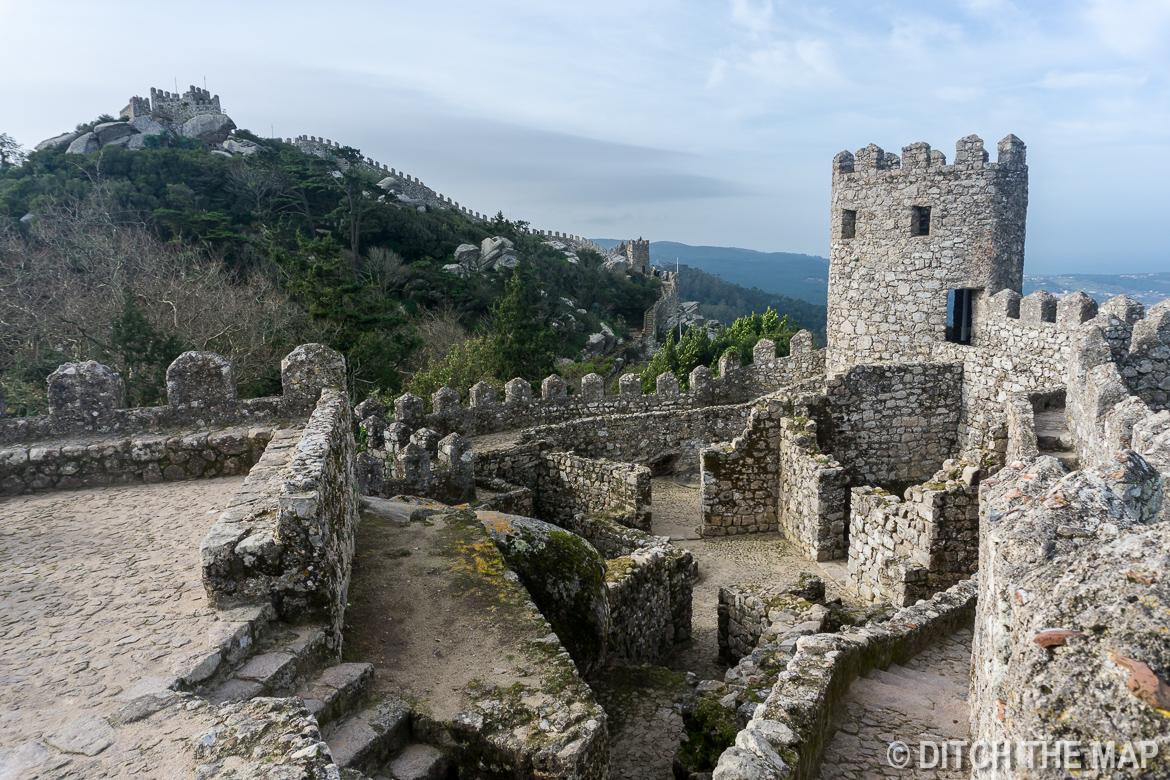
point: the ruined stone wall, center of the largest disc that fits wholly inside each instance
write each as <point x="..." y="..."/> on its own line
<point x="786" y="736"/>
<point x="812" y="492"/>
<point x="746" y="616"/>
<point x="569" y="485"/>
<point x="649" y="602"/>
<point x="1071" y="590"/>
<point x="905" y="550"/>
<point x="151" y="458"/>
<point x="568" y="488"/>
<point x="893" y="423"/>
<point x="888" y="277"/>
<point x="739" y="479"/>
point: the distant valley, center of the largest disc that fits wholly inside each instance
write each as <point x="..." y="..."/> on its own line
<point x="806" y="277"/>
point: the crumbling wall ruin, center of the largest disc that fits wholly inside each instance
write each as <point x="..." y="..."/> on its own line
<point x="905" y="550"/>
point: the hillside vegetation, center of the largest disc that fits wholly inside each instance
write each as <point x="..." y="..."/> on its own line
<point x="131" y="257"/>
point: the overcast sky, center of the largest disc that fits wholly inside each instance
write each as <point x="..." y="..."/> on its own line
<point x="701" y="121"/>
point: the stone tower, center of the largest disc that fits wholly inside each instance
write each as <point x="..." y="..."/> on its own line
<point x="913" y="237"/>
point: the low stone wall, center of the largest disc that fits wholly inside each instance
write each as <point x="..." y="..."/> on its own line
<point x="649" y="602"/>
<point x="1070" y="633"/>
<point x="894" y="423"/>
<point x="64" y="465"/>
<point x="569" y="485"/>
<point x="520" y="409"/>
<point x="643" y="438"/>
<point x="746" y="616"/>
<point x="288" y="537"/>
<point x="786" y="736"/>
<point x="903" y="551"/>
<point x="88" y="399"/>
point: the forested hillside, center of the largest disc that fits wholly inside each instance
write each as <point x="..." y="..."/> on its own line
<point x="131" y="257"/>
<point x="721" y="300"/>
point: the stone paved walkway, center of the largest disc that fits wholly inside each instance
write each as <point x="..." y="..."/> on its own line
<point x="924" y="701"/>
<point x="100" y="599"/>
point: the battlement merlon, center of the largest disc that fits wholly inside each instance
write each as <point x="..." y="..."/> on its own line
<point x="969" y="154"/>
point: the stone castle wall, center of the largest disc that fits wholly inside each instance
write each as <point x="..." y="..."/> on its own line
<point x="888" y="284"/>
<point x="1070" y="591"/>
<point x="893" y="423"/>
<point x="520" y="408"/>
<point x="905" y="550"/>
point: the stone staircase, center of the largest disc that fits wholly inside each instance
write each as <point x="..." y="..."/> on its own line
<point x="923" y="701"/>
<point x="256" y="655"/>
<point x="1053" y="438"/>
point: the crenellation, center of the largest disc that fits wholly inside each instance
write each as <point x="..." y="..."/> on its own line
<point x="1040" y="306"/>
<point x="1075" y="308"/>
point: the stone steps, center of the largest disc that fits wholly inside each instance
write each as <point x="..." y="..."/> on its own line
<point x="284" y="659"/>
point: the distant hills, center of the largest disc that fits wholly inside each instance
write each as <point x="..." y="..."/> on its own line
<point x="806" y="277"/>
<point x="1143" y="288"/>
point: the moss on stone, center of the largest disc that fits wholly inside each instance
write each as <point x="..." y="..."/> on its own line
<point x="710" y="730"/>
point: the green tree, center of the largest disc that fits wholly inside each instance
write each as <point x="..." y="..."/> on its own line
<point x="143" y="353"/>
<point x="12" y="154"/>
<point x="523" y="346"/>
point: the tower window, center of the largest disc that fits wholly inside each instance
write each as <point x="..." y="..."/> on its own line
<point x="920" y="221"/>
<point x="848" y="223"/>
<point x="959" y="306"/>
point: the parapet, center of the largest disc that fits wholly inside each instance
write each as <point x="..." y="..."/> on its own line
<point x="969" y="154"/>
<point x="90" y="399"/>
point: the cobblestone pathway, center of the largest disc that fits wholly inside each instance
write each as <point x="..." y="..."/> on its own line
<point x="101" y="597"/>
<point x="924" y="701"/>
<point x="644" y="720"/>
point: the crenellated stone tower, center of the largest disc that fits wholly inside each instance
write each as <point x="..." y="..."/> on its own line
<point x="916" y="246"/>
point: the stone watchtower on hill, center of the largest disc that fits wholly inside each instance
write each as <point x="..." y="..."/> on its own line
<point x="917" y="245"/>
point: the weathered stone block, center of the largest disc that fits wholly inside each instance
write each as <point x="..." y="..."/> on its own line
<point x="85" y="392"/>
<point x="200" y="379"/>
<point x="518" y="391"/>
<point x="553" y="386"/>
<point x="308" y="369"/>
<point x="592" y="388"/>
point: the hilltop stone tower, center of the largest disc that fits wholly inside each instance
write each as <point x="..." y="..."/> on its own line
<point x="917" y="246"/>
<point x="173" y="107"/>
